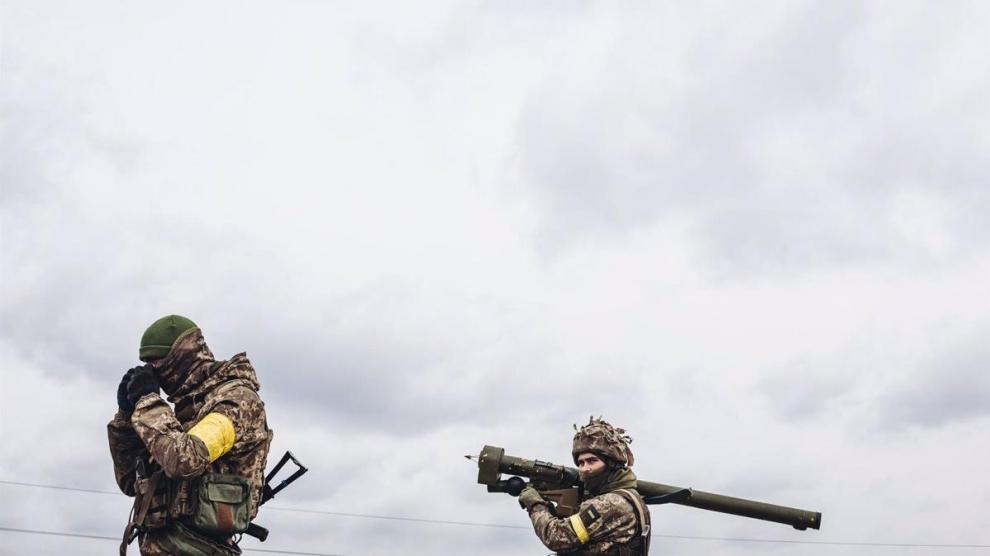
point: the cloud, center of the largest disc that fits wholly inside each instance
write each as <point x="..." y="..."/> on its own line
<point x="801" y="392"/>
<point x="948" y="388"/>
<point x="776" y="140"/>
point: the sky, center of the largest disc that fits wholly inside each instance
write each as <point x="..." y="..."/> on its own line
<point x="752" y="234"/>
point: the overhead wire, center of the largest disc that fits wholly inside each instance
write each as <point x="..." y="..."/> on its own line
<point x="503" y="526"/>
<point x="115" y="539"/>
<point x="298" y="510"/>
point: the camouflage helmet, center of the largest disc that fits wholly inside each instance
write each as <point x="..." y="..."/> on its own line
<point x="158" y="338"/>
<point x="603" y="440"/>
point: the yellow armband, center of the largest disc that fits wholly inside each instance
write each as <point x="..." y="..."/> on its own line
<point x="579" y="528"/>
<point x="217" y="432"/>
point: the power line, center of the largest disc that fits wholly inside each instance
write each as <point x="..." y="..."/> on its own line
<point x="298" y="510"/>
<point x="115" y="539"/>
<point x="502" y="526"/>
<point x="829" y="543"/>
<point x="400" y="518"/>
<point x="55" y="487"/>
<point x="58" y="534"/>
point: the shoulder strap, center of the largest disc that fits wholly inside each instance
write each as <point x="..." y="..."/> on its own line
<point x="142" y="502"/>
<point x="642" y="514"/>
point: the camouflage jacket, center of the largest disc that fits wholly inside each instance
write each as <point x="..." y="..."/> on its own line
<point x="609" y="521"/>
<point x="159" y="434"/>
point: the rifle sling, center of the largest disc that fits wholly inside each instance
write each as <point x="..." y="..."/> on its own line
<point x="141" y="504"/>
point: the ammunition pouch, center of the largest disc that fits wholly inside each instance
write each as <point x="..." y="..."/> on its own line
<point x="223" y="506"/>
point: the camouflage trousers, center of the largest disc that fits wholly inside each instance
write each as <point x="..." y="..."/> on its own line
<point x="179" y="540"/>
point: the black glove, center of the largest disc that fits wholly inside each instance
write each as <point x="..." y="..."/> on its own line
<point x="142" y="382"/>
<point x="123" y="403"/>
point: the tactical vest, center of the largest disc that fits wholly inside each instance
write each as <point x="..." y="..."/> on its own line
<point x="190" y="517"/>
<point x="195" y="517"/>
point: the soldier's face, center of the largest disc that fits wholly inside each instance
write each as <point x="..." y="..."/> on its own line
<point x="156" y="365"/>
<point x="589" y="465"/>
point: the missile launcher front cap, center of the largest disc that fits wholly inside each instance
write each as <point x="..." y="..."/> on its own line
<point x="488" y="464"/>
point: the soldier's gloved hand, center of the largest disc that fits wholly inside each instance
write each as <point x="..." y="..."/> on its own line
<point x="142" y="382"/>
<point x="530" y="497"/>
<point x="123" y="403"/>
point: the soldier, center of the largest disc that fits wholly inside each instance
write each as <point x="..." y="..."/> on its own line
<point x="197" y="471"/>
<point x="614" y="520"/>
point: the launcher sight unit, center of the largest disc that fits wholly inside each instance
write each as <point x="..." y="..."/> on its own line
<point x="562" y="485"/>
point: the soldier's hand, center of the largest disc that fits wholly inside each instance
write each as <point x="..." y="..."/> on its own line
<point x="123" y="403"/>
<point x="530" y="497"/>
<point x="142" y="382"/>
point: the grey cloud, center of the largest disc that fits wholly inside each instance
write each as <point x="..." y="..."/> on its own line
<point x="694" y="140"/>
<point x="46" y="133"/>
<point x="762" y="233"/>
<point x="375" y="363"/>
<point x="803" y="390"/>
<point x="392" y="376"/>
<point x="64" y="270"/>
<point x="951" y="387"/>
<point x="692" y="147"/>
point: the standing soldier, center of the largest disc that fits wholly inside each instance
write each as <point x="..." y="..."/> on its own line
<point x="196" y="472"/>
<point x="614" y="521"/>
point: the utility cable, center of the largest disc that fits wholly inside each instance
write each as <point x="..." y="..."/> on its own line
<point x="502" y="526"/>
<point x="115" y="539"/>
<point x="55" y="487"/>
<point x="298" y="510"/>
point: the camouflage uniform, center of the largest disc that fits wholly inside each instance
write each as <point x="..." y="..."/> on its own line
<point x="615" y="521"/>
<point x="198" y="386"/>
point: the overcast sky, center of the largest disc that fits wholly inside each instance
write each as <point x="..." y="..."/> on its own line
<point x="753" y="234"/>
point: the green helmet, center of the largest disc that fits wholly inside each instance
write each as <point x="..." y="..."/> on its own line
<point x="158" y="338"/>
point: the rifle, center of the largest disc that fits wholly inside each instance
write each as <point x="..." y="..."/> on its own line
<point x="562" y="485"/>
<point x="267" y="492"/>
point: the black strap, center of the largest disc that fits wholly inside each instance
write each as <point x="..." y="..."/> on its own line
<point x="129" y="533"/>
<point x="142" y="511"/>
<point x="142" y="502"/>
